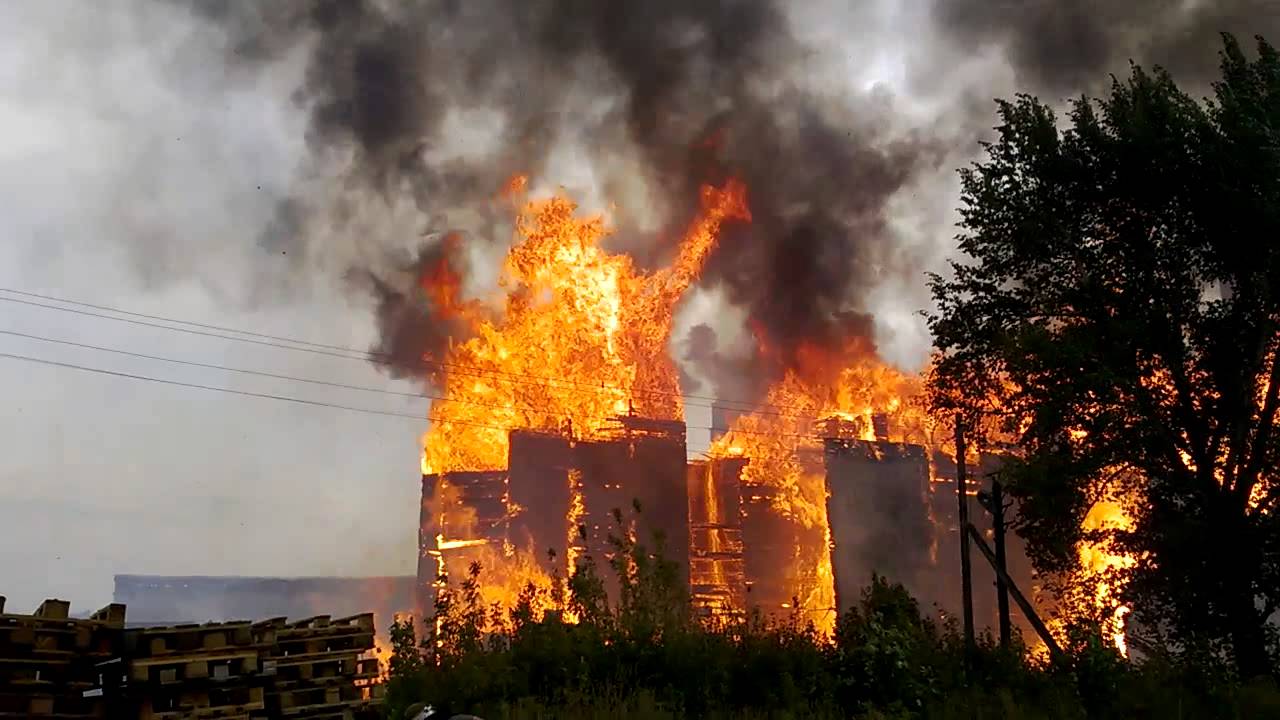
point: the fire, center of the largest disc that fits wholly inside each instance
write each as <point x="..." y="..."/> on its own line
<point x="783" y="447"/>
<point x="577" y="510"/>
<point x="579" y="336"/>
<point x="582" y="336"/>
<point x="1097" y="559"/>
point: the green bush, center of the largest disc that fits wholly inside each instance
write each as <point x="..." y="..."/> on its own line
<point x="648" y="657"/>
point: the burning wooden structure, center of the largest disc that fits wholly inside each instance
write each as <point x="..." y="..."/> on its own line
<point x="559" y="499"/>
<point x="889" y="508"/>
<point x="717" y="566"/>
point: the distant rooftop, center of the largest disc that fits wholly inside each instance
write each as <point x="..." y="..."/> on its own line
<point x="169" y="599"/>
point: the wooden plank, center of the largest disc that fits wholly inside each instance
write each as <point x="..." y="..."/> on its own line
<point x="188" y="668"/>
<point x="54" y="609"/>
<point x="188" y="639"/>
<point x="199" y="705"/>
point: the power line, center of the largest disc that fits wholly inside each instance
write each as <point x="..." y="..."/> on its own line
<point x="183" y="322"/>
<point x="318" y="403"/>
<point x="213" y="388"/>
<point x="293" y="378"/>
<point x="377" y="358"/>
<point x="189" y="331"/>
<point x="214" y="366"/>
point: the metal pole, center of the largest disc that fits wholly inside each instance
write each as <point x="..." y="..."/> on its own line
<point x="1002" y="569"/>
<point x="966" y="572"/>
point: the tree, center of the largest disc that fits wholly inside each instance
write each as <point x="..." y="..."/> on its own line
<point x="1119" y="311"/>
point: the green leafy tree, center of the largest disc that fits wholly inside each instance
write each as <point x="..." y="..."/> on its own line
<point x="1119" y="310"/>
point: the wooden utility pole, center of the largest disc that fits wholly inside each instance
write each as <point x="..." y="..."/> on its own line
<point x="1002" y="569"/>
<point x="1027" y="608"/>
<point x="966" y="571"/>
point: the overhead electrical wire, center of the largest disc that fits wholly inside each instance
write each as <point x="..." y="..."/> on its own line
<point x="198" y="386"/>
<point x="305" y="401"/>
<point x="339" y="351"/>
<point x="348" y="353"/>
<point x="215" y="366"/>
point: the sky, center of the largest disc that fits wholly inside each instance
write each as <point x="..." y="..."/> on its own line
<point x="148" y="162"/>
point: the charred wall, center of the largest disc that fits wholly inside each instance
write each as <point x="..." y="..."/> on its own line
<point x="889" y="514"/>
<point x="769" y="541"/>
<point x="877" y="508"/>
<point x="539" y="467"/>
<point x="639" y="465"/>
<point x="639" y="477"/>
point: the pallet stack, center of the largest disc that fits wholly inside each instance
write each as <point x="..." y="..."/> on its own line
<point x="47" y="660"/>
<point x="321" y="668"/>
<point x="184" y="672"/>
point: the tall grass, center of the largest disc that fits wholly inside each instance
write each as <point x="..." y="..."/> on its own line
<point x="646" y="656"/>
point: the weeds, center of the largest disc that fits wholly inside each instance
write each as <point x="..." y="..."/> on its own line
<point x="645" y="656"/>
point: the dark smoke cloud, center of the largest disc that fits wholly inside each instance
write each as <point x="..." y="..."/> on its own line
<point x="1068" y="46"/>
<point x="416" y="317"/>
<point x="439" y="102"/>
<point x="674" y="92"/>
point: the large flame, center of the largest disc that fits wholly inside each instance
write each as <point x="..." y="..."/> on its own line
<point x="777" y="438"/>
<point x="580" y="337"/>
<point x="1098" y="560"/>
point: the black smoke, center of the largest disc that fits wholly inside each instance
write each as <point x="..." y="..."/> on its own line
<point x="670" y="94"/>
<point x="1068" y="47"/>
<point x="689" y="92"/>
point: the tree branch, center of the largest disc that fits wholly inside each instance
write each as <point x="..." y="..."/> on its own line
<point x="1266" y="423"/>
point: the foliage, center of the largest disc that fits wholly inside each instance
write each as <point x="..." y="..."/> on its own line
<point x="647" y="656"/>
<point x="1119" y="311"/>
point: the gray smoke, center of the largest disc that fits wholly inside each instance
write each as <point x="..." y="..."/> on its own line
<point x="426" y="107"/>
<point x="657" y="98"/>
<point x="1069" y="46"/>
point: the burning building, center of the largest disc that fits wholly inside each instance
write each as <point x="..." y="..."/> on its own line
<point x="717" y="569"/>
<point x="562" y="407"/>
<point x="560" y="425"/>
<point x="560" y="498"/>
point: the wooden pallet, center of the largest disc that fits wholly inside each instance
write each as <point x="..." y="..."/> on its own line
<point x="185" y="640"/>
<point x="321" y="669"/>
<point x="194" y="704"/>
<point x="45" y="704"/>
<point x="313" y="632"/>
<point x="47" y="659"/>
<point x="228" y="665"/>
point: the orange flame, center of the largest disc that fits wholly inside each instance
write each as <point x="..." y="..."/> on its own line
<point x="580" y="338"/>
<point x="843" y="395"/>
<point x="1097" y="559"/>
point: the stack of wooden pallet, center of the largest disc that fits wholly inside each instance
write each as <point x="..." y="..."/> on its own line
<point x="321" y="668"/>
<point x="47" y="660"/>
<point x="178" y="672"/>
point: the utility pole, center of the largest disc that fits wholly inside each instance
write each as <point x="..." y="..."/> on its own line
<point x="1002" y="590"/>
<point x="966" y="572"/>
<point x="1028" y="609"/>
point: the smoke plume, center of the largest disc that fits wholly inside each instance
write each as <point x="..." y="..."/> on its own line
<point x="656" y="98"/>
<point x="433" y="104"/>
<point x="1068" y="47"/>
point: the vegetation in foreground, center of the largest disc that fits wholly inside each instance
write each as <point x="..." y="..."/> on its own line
<point x="647" y="657"/>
